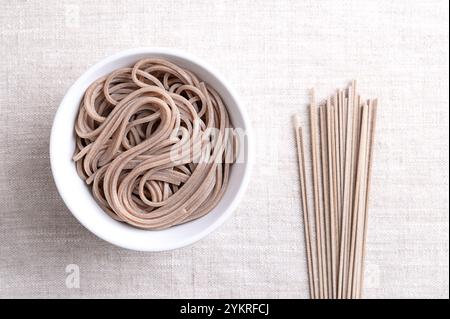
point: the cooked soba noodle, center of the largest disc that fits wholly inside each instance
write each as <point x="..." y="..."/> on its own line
<point x="155" y="144"/>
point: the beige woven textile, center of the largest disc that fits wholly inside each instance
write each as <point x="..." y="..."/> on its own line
<point x="272" y="52"/>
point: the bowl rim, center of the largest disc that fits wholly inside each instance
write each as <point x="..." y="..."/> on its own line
<point x="116" y="240"/>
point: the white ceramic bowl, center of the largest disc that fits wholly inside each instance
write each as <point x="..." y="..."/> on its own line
<point x="77" y="195"/>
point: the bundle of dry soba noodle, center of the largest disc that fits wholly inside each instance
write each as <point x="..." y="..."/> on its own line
<point x="155" y="144"/>
<point x="341" y="136"/>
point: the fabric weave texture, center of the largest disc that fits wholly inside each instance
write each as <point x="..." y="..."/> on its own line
<point x="271" y="52"/>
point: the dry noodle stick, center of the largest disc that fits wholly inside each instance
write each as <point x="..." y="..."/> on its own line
<point x="323" y="239"/>
<point x="343" y="263"/>
<point x="342" y="149"/>
<point x="324" y="246"/>
<point x="355" y="203"/>
<point x="335" y="193"/>
<point x="354" y="164"/>
<point x="353" y="110"/>
<point x="354" y="160"/>
<point x="317" y="213"/>
<point x="360" y="200"/>
<point x="337" y="166"/>
<point x="348" y="187"/>
<point x="336" y="172"/>
<point x="362" y="203"/>
<point x="349" y="175"/>
<point x="317" y="208"/>
<point x="331" y="198"/>
<point x="306" y="223"/>
<point x="342" y="154"/>
<point x="370" y="161"/>
<point x="339" y="175"/>
<point x="341" y="140"/>
<point x="344" y="133"/>
<point x="325" y="195"/>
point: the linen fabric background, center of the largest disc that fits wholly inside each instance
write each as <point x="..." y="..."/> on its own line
<point x="271" y="52"/>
